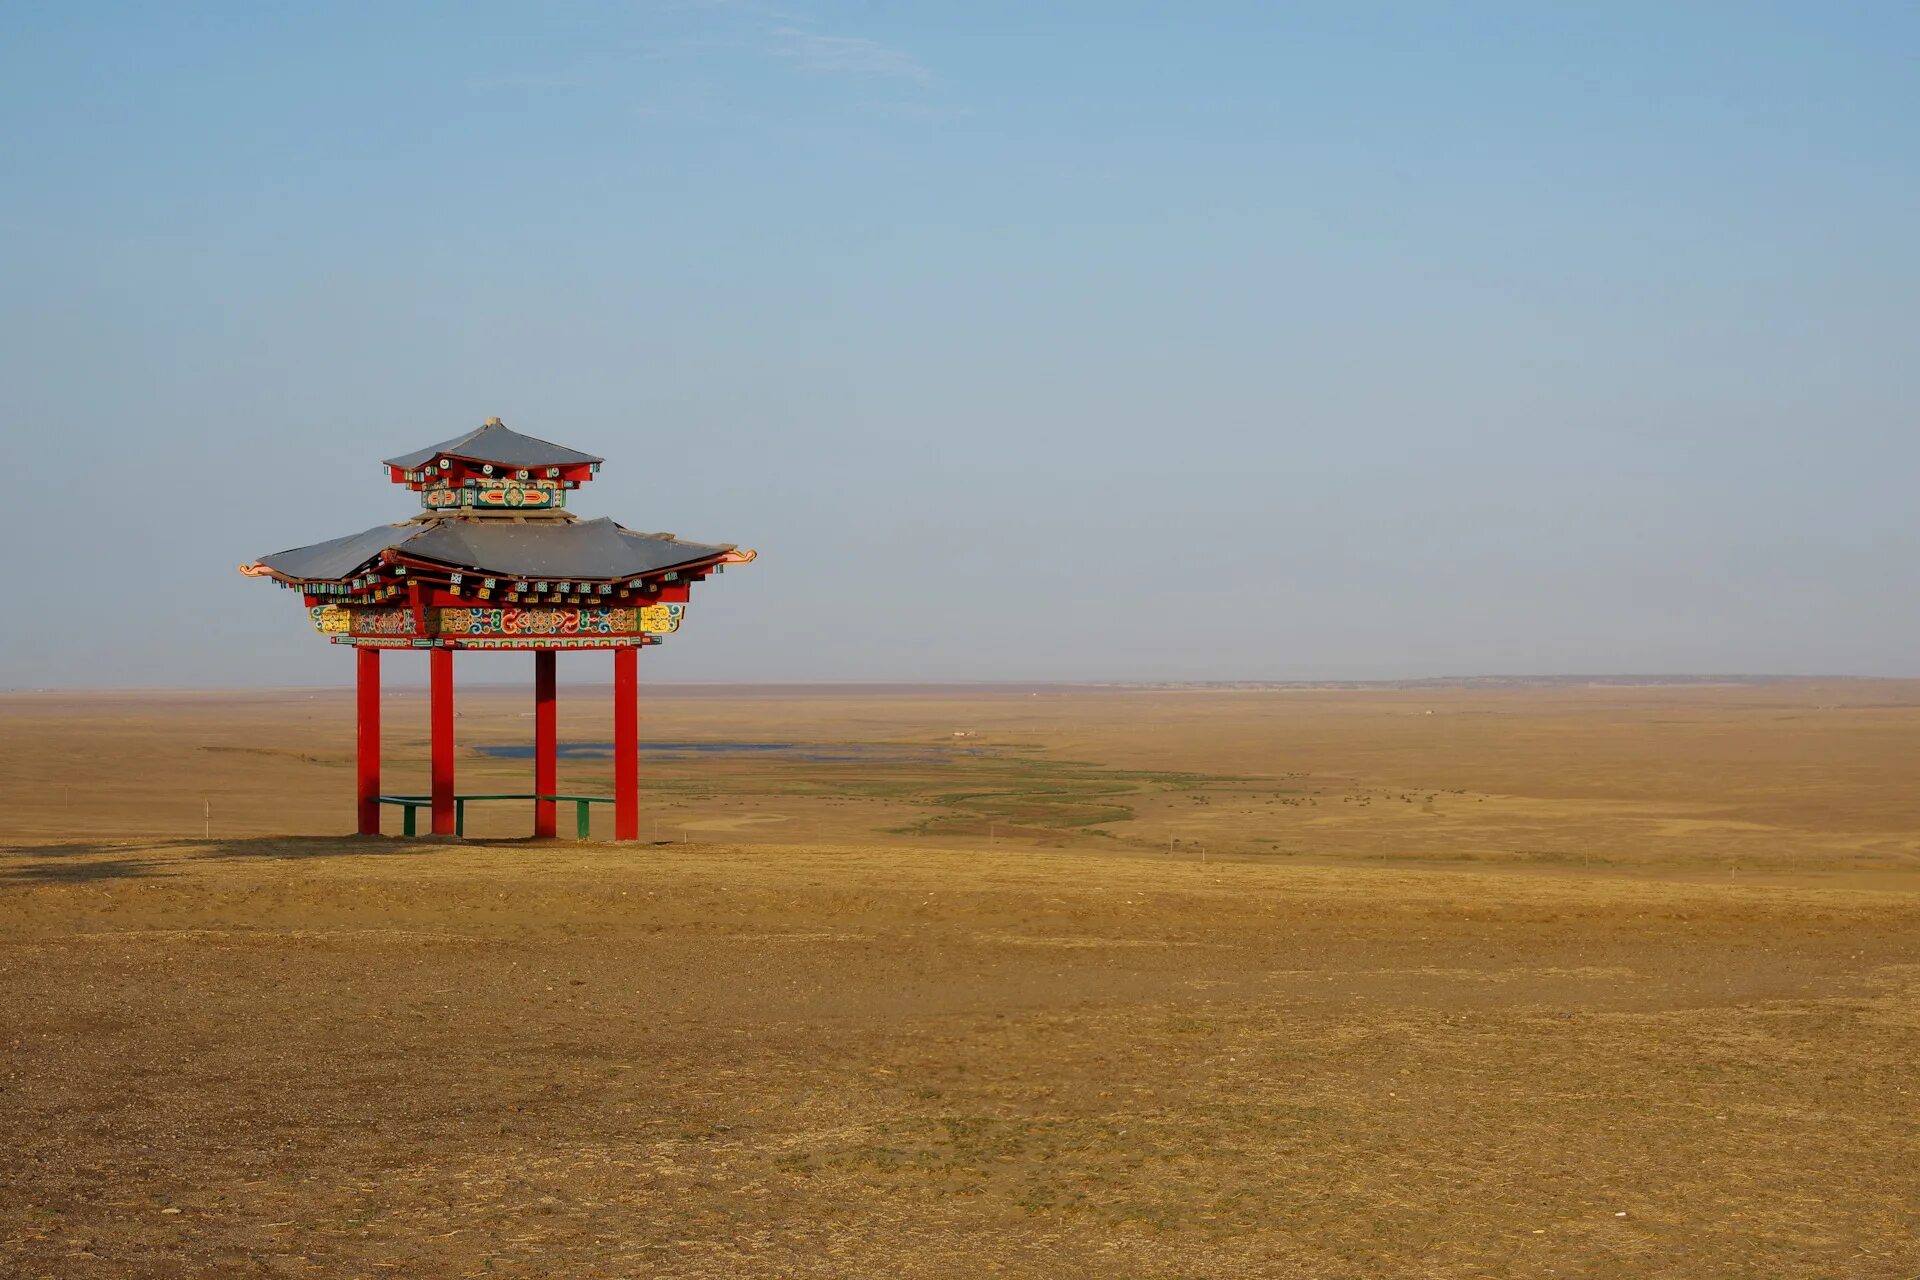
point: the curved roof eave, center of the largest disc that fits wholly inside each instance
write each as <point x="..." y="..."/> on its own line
<point x="336" y="558"/>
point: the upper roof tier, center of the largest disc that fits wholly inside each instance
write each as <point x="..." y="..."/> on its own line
<point x="492" y="451"/>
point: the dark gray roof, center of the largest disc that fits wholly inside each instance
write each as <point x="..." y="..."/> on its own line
<point x="338" y="557"/>
<point x="499" y="445"/>
<point x="563" y="549"/>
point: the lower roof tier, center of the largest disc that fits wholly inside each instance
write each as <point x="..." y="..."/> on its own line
<point x="554" y="549"/>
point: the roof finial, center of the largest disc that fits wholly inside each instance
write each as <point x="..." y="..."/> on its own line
<point x="493" y="422"/>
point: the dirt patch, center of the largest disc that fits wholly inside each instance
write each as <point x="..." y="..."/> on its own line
<point x="1473" y="1030"/>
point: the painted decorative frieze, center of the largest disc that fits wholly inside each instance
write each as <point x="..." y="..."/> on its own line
<point x="496" y="494"/>
<point x="331" y="619"/>
<point x="383" y="622"/>
<point x="547" y="642"/>
<point x="381" y="642"/>
<point x="567" y="620"/>
<point x="661" y="619"/>
<point x="510" y="621"/>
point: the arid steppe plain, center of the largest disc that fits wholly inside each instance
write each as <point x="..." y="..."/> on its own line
<point x="1559" y="980"/>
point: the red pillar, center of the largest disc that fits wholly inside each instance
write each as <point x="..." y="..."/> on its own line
<point x="367" y="686"/>
<point x="440" y="718"/>
<point x="546" y="742"/>
<point x="626" y="743"/>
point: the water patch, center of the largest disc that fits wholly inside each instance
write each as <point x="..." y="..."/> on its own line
<point x="810" y="752"/>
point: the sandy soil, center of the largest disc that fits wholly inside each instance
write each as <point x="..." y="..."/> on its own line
<point x="1549" y="982"/>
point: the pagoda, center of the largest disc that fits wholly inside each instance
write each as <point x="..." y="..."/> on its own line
<point x="494" y="560"/>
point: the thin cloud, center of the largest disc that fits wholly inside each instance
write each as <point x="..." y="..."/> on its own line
<point x="527" y="82"/>
<point x="847" y="55"/>
<point x="926" y="112"/>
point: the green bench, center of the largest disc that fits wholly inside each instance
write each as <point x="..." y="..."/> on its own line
<point x="413" y="804"/>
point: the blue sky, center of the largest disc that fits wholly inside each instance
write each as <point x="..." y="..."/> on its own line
<point x="1073" y="341"/>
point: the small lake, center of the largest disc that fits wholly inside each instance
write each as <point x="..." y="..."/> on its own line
<point x="810" y="752"/>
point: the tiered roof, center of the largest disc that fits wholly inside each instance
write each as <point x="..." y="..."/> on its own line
<point x="493" y="529"/>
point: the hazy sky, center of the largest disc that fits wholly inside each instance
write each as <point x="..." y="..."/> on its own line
<point x="1026" y="341"/>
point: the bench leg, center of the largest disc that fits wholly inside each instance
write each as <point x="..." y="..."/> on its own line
<point x="459" y="817"/>
<point x="406" y="823"/>
<point x="580" y="819"/>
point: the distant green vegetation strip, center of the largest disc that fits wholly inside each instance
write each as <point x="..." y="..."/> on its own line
<point x="970" y="790"/>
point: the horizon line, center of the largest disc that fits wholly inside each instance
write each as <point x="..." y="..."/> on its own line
<point x="1571" y="677"/>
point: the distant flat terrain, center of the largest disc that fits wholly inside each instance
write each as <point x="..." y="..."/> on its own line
<point x="1787" y="781"/>
<point x="1573" y="979"/>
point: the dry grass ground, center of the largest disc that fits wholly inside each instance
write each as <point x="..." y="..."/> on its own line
<point x="1549" y="982"/>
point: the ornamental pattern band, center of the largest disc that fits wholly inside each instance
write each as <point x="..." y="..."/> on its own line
<point x="567" y="620"/>
<point x="505" y="621"/>
<point x="383" y="622"/>
<point x="550" y="642"/>
<point x="499" y="642"/>
<point x="661" y="619"/>
<point x="523" y="495"/>
<point x="331" y="619"/>
<point x="599" y="620"/>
